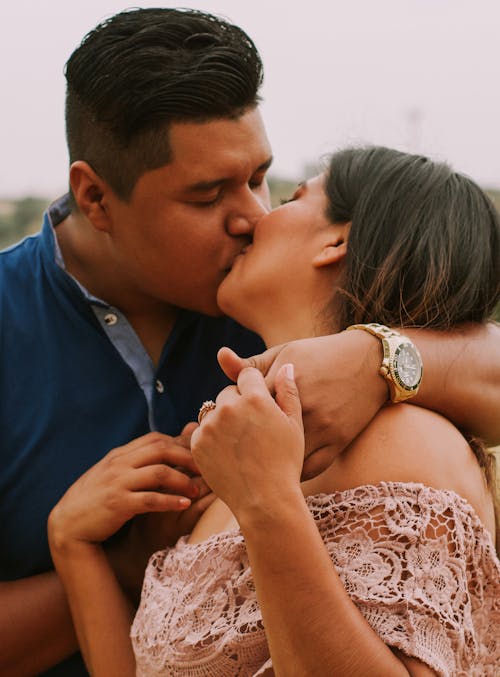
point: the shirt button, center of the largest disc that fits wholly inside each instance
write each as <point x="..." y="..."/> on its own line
<point x="159" y="387"/>
<point x="110" y="319"/>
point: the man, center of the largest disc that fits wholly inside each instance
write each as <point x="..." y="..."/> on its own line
<point x="109" y="323"/>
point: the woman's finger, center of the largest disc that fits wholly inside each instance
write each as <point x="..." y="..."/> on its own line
<point x="251" y="381"/>
<point x="226" y="396"/>
<point x="229" y="394"/>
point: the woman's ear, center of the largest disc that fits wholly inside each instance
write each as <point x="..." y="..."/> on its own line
<point x="334" y="246"/>
<point x="90" y="192"/>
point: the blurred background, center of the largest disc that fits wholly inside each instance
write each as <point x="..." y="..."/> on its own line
<point x="418" y="75"/>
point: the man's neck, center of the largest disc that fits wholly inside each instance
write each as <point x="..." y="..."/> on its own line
<point x="88" y="262"/>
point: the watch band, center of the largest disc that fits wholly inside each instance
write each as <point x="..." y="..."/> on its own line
<point x="379" y="330"/>
<point x="393" y="343"/>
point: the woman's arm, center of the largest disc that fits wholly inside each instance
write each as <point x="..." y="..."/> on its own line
<point x="341" y="389"/>
<point x="102" y="614"/>
<point x="313" y="628"/>
<point x="250" y="451"/>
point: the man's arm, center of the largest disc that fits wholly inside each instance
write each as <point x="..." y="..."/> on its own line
<point x="341" y="389"/>
<point x="36" y="627"/>
<point x="462" y="377"/>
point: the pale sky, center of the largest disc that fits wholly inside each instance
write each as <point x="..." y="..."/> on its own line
<point x="419" y="75"/>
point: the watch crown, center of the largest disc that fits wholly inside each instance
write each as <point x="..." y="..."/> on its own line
<point x="383" y="371"/>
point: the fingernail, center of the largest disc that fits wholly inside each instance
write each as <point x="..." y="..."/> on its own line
<point x="184" y="502"/>
<point x="290" y="371"/>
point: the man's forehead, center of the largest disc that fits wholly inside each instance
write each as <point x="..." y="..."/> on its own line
<point x="220" y="143"/>
<point x="227" y="172"/>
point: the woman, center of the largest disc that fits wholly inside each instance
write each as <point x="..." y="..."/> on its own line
<point x="405" y="512"/>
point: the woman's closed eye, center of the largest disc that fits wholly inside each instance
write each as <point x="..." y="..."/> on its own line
<point x="298" y="192"/>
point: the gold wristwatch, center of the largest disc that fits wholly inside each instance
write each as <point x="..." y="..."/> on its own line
<point x="401" y="365"/>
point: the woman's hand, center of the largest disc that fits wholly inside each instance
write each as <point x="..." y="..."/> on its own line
<point x="250" y="448"/>
<point x="339" y="384"/>
<point x="137" y="478"/>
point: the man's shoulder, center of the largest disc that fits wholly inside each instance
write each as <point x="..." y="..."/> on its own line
<point x="18" y="266"/>
<point x="21" y="258"/>
<point x="19" y="250"/>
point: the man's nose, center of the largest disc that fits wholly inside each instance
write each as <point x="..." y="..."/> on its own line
<point x="246" y="213"/>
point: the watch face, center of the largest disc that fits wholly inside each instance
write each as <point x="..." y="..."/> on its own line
<point x="407" y="366"/>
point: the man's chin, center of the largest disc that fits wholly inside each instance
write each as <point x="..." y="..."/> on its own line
<point x="204" y="307"/>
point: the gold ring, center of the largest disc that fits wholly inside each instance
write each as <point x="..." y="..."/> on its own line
<point x="207" y="406"/>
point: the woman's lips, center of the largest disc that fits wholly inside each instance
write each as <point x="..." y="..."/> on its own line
<point x="240" y="254"/>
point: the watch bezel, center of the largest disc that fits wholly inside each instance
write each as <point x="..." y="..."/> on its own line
<point x="394" y="370"/>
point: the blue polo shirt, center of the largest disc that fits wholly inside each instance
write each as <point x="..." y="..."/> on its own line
<point x="75" y="382"/>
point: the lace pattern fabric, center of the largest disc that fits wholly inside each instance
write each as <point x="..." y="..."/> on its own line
<point x="416" y="561"/>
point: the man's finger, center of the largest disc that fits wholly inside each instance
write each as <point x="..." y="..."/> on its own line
<point x="184" y="439"/>
<point x="164" y="479"/>
<point x="167" y="452"/>
<point x="231" y="363"/>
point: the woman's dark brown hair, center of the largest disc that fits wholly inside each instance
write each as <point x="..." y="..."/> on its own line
<point x="424" y="242"/>
<point x="424" y="248"/>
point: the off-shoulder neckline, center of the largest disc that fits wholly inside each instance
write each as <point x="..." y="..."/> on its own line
<point x="370" y="490"/>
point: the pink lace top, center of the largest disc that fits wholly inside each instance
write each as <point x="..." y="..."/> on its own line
<point x="416" y="561"/>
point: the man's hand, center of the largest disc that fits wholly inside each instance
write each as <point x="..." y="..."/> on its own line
<point x="251" y="446"/>
<point x="130" y="551"/>
<point x="137" y="478"/>
<point x="339" y="385"/>
<point x="341" y="390"/>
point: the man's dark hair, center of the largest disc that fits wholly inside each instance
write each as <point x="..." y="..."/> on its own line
<point x="424" y="242"/>
<point x="139" y="71"/>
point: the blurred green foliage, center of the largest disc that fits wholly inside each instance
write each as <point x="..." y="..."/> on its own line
<point x="22" y="217"/>
<point x="19" y="218"/>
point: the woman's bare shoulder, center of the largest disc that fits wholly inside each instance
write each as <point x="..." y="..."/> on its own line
<point x="406" y="443"/>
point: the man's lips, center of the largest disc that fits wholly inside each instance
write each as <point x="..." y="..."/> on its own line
<point x="242" y="252"/>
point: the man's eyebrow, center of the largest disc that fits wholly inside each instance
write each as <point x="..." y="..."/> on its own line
<point x="206" y="186"/>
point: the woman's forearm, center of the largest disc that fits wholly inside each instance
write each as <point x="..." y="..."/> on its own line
<point x="101" y="612"/>
<point x="312" y="625"/>
<point x="462" y="377"/>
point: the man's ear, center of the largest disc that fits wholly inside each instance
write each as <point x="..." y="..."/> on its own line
<point x="90" y="192"/>
<point x="334" y="246"/>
